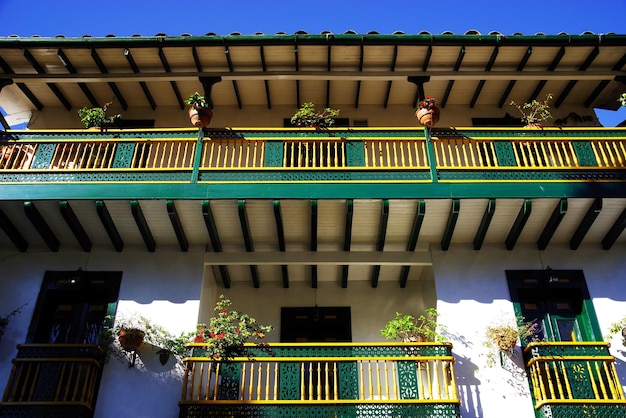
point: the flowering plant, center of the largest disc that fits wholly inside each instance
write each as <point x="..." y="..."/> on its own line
<point x="622" y="99"/>
<point x="227" y="332"/>
<point x="504" y="337"/>
<point x="427" y="103"/>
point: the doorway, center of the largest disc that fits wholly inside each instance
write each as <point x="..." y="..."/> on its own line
<point x="72" y="307"/>
<point x="558" y="300"/>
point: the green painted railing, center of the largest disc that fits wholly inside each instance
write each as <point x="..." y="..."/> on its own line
<point x="309" y="379"/>
<point x="285" y="154"/>
<point x="569" y="378"/>
<point x="53" y="380"/>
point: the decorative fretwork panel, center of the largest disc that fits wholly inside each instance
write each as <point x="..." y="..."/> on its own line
<point x="375" y="410"/>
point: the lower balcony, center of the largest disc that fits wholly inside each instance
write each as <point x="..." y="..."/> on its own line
<point x="572" y="379"/>
<point x="53" y="380"/>
<point x="323" y="380"/>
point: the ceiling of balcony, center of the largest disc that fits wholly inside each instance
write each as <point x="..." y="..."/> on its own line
<point x="254" y="239"/>
<point x="335" y="70"/>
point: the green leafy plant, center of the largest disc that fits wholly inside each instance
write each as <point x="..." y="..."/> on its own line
<point x="617" y="327"/>
<point x="226" y="333"/>
<point x="96" y="117"/>
<point x="535" y="111"/>
<point x="196" y="100"/>
<point x="4" y="320"/>
<point x="411" y="329"/>
<point x="308" y="116"/>
<point x="622" y="99"/>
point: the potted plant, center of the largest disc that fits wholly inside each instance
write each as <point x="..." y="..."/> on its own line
<point x="427" y="113"/>
<point x="408" y="328"/>
<point x="96" y="117"/>
<point x="4" y="320"/>
<point x="534" y="112"/>
<point x="504" y="337"/>
<point x="129" y="333"/>
<point x="618" y="327"/>
<point x="227" y="332"/>
<point x="307" y="116"/>
<point x="199" y="112"/>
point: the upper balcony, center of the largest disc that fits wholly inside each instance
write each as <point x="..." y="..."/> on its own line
<point x="545" y="172"/>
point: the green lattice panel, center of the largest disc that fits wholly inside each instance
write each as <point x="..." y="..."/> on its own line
<point x="355" y="153"/>
<point x="289" y="381"/>
<point x="43" y="156"/>
<point x="124" y="155"/>
<point x="531" y="175"/>
<point x="559" y="350"/>
<point x="274" y="154"/>
<point x="312" y="176"/>
<point x="47" y="411"/>
<point x="505" y="154"/>
<point x="582" y="411"/>
<point x="96" y="177"/>
<point x="585" y="154"/>
<point x="368" y="410"/>
<point x="229" y="383"/>
<point x="348" y="380"/>
<point x="407" y="380"/>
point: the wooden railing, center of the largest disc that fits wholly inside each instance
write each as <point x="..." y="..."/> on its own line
<point x="323" y="375"/>
<point x="60" y="376"/>
<point x="573" y="373"/>
<point x="456" y="154"/>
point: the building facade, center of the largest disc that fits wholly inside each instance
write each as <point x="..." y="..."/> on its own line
<point x="323" y="233"/>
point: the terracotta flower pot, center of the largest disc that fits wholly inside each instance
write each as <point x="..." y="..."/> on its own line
<point x="200" y="116"/>
<point x="428" y="117"/>
<point x="130" y="339"/>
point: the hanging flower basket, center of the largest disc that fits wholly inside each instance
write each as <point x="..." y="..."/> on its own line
<point x="200" y="116"/>
<point x="428" y="117"/>
<point x="131" y="338"/>
<point x="427" y="113"/>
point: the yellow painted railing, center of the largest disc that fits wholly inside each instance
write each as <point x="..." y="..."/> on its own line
<point x="50" y="378"/>
<point x="453" y="150"/>
<point x="324" y="373"/>
<point x="576" y="375"/>
<point x="464" y="153"/>
<point x="410" y="153"/>
<point x="319" y="380"/>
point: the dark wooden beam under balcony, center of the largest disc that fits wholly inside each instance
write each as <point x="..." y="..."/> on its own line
<point x="75" y="226"/>
<point x="479" y="238"/>
<point x="591" y="215"/>
<point x="177" y="225"/>
<point x="380" y="241"/>
<point x="109" y="225"/>
<point x="209" y="221"/>
<point x="418" y="219"/>
<point x="247" y="239"/>
<point x="518" y="225"/>
<point x="142" y="225"/>
<point x="280" y="232"/>
<point x="41" y="226"/>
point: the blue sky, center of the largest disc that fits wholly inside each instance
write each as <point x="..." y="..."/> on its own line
<point x="128" y="17"/>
